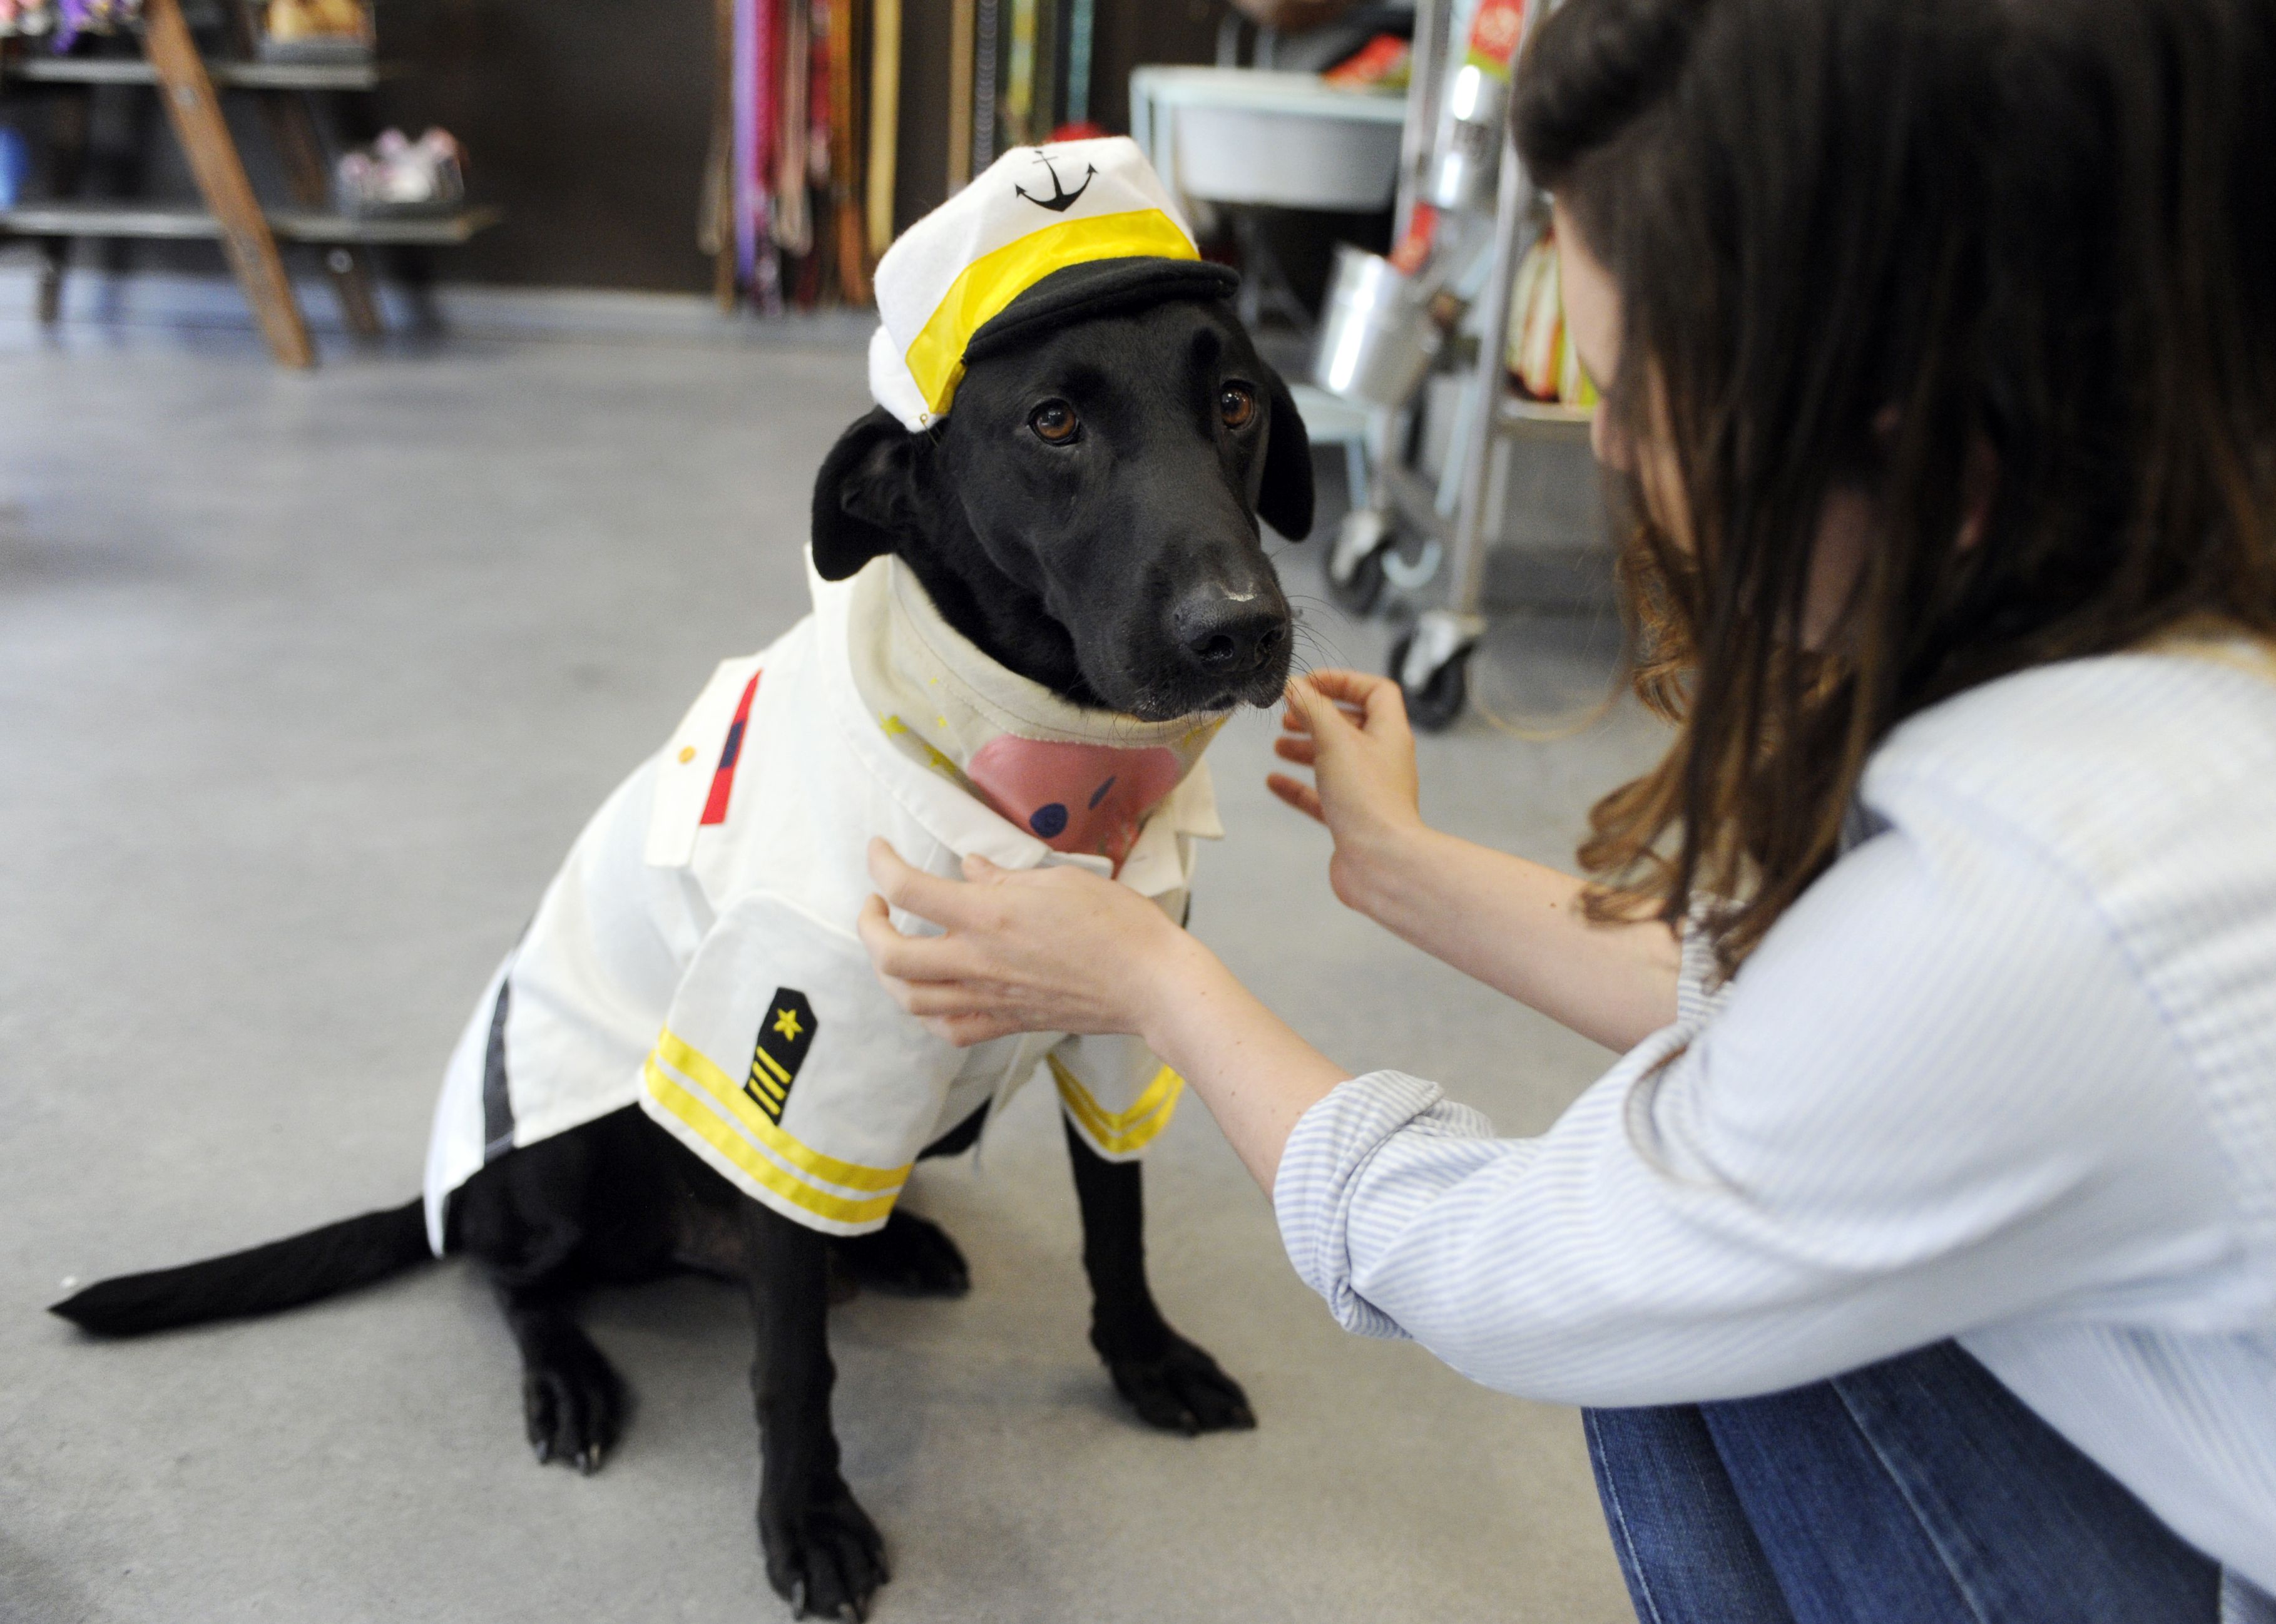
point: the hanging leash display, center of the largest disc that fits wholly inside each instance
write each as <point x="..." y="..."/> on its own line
<point x="846" y="124"/>
<point x="803" y="175"/>
<point x="885" y="124"/>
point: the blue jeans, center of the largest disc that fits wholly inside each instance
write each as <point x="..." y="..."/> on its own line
<point x="1913" y="1491"/>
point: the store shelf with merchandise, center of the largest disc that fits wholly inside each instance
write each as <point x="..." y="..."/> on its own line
<point x="187" y="223"/>
<point x="225" y="73"/>
<point x="189" y="83"/>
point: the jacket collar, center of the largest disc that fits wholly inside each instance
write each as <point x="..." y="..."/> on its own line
<point x="851" y="618"/>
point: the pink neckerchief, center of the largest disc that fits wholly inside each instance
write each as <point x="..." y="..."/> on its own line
<point x="1080" y="780"/>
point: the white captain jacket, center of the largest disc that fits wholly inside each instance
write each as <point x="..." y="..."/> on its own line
<point x="696" y="953"/>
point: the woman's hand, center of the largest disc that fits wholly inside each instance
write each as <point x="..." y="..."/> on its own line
<point x="1040" y="950"/>
<point x="1061" y="949"/>
<point x="1516" y="925"/>
<point x="1350" y="728"/>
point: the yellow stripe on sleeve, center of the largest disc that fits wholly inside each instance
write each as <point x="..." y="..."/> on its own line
<point x="691" y="1062"/>
<point x="731" y="1145"/>
<point x="1120" y="1133"/>
<point x="984" y="287"/>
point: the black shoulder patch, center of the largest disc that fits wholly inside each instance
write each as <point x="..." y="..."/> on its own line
<point x="785" y="1033"/>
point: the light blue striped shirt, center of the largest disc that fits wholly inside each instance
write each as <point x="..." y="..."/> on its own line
<point x="2007" y="1073"/>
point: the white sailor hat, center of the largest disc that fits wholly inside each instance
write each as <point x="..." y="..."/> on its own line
<point x="1038" y="213"/>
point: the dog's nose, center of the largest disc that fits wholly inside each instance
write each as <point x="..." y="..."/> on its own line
<point x="1230" y="633"/>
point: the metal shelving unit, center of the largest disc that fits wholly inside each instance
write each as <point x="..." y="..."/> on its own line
<point x="188" y="84"/>
<point x="1448" y="515"/>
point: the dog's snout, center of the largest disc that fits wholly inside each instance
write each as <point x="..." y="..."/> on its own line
<point x="1231" y="633"/>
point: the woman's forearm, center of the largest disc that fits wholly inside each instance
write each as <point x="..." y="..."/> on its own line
<point x="1249" y="1066"/>
<point x="1519" y="927"/>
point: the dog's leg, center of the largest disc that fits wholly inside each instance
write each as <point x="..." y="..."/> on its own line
<point x="528" y="1217"/>
<point x="822" y="1552"/>
<point x="911" y="1256"/>
<point x="914" y="1256"/>
<point x="573" y="1400"/>
<point x="1173" y="1384"/>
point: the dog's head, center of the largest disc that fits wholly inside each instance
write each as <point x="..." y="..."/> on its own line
<point x="1088" y="511"/>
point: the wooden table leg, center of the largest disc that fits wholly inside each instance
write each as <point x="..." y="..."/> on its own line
<point x="293" y="127"/>
<point x="70" y="111"/>
<point x="55" y="259"/>
<point x="191" y="103"/>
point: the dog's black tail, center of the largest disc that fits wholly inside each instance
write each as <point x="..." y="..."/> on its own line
<point x="261" y="1279"/>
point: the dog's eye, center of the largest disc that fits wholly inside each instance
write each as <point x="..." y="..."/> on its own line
<point x="1055" y="422"/>
<point x="1236" y="403"/>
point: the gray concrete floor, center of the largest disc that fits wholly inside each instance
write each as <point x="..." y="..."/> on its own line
<point x="304" y="684"/>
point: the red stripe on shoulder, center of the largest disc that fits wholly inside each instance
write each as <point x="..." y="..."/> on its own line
<point x="731" y="755"/>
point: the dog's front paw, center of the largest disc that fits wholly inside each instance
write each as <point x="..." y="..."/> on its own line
<point x="572" y="1402"/>
<point x="1178" y="1388"/>
<point x="910" y="1256"/>
<point x="823" y="1555"/>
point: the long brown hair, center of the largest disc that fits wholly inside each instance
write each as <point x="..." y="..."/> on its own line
<point x="2006" y="268"/>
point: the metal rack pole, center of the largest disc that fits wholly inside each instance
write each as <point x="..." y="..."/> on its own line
<point x="1426" y="91"/>
<point x="1430" y="661"/>
<point x="1433" y="19"/>
<point x="1513" y="199"/>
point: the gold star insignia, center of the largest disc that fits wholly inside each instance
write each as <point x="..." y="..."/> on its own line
<point x="786" y="1023"/>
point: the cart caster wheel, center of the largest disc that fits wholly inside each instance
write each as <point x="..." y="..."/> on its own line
<point x="1358" y="597"/>
<point x="1438" y="705"/>
<point x="1355" y="573"/>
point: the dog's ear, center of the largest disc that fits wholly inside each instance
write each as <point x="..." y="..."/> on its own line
<point x="1284" y="499"/>
<point x="865" y="496"/>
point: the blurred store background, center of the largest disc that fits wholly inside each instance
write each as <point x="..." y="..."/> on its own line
<point x="403" y="404"/>
<point x="731" y="170"/>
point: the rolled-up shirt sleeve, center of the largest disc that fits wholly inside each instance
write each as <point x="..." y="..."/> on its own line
<point x="1359" y="1139"/>
<point x="1936" y="1096"/>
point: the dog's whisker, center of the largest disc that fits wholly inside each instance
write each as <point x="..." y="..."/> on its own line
<point x="1315" y="651"/>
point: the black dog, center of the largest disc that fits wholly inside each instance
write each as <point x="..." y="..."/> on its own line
<point x="1088" y="517"/>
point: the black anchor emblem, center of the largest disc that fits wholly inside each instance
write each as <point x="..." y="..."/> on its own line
<point x="1060" y="200"/>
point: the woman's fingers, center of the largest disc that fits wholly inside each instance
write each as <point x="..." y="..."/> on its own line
<point x="966" y="1030"/>
<point x="1294" y="721"/>
<point x="875" y="926"/>
<point x="1356" y="688"/>
<point x="927" y="999"/>
<point x="1055" y="949"/>
<point x="928" y="896"/>
<point x="1298" y="794"/>
<point x="955" y="960"/>
<point x="1292" y="718"/>
<point x="1362" y="764"/>
<point x="947" y="1012"/>
<point x="1386" y="709"/>
<point x="909" y="958"/>
<point x="979" y="870"/>
<point x="1326" y="721"/>
<point x="962" y="1011"/>
<point x="1372" y="702"/>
